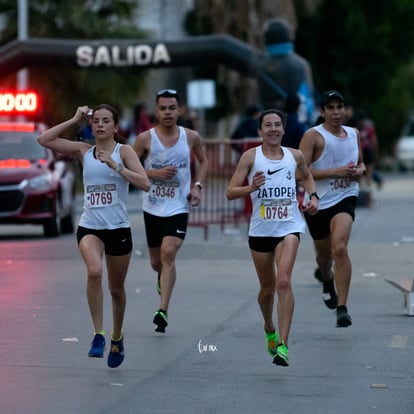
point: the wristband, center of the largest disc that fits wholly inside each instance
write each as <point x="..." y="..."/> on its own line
<point x="119" y="168"/>
<point x="314" y="195"/>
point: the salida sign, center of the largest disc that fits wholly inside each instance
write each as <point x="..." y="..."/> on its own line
<point x="117" y="56"/>
<point x="123" y="53"/>
<point x="95" y="54"/>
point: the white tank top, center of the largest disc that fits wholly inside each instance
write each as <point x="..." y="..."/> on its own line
<point x="166" y="198"/>
<point x="336" y="153"/>
<point x="105" y="194"/>
<point x="275" y="208"/>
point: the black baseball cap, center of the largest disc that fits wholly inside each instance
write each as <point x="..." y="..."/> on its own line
<point x="329" y="96"/>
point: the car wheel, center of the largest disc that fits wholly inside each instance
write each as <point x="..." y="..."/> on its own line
<point x="51" y="228"/>
<point x="66" y="224"/>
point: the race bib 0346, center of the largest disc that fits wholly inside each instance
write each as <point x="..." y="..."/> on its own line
<point x="167" y="190"/>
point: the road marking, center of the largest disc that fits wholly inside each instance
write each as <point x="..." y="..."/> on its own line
<point x="398" y="341"/>
<point x="369" y="274"/>
<point x="379" y="386"/>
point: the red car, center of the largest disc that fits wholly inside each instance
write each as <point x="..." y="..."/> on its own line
<point x="36" y="186"/>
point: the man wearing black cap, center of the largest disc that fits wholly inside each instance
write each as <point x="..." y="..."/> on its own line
<point x="333" y="153"/>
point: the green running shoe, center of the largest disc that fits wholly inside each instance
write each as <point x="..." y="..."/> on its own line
<point x="282" y="355"/>
<point x="271" y="341"/>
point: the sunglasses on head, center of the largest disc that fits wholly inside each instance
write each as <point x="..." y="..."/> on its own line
<point x="169" y="92"/>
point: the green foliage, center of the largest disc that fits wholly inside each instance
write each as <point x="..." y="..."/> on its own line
<point x="63" y="90"/>
<point x="361" y="47"/>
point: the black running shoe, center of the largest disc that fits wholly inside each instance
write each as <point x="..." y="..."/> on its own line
<point x="343" y="319"/>
<point x="160" y="319"/>
<point x="329" y="295"/>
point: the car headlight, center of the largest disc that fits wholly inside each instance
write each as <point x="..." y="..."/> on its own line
<point x="40" y="183"/>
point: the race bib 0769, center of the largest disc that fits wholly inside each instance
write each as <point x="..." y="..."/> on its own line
<point x="101" y="195"/>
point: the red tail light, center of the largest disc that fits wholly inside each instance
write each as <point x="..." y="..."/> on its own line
<point x="11" y="163"/>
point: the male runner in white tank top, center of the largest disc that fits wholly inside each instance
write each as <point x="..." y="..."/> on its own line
<point x="165" y="151"/>
<point x="333" y="154"/>
<point x="275" y="223"/>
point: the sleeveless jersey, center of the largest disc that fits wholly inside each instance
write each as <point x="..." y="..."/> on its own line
<point x="336" y="153"/>
<point x="105" y="194"/>
<point x="166" y="198"/>
<point x="275" y="208"/>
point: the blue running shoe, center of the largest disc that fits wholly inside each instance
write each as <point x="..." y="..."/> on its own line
<point x="97" y="346"/>
<point x="117" y="354"/>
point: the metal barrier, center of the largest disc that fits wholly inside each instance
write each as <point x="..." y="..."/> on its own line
<point x="214" y="207"/>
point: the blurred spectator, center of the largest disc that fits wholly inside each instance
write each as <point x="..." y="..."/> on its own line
<point x="369" y="145"/>
<point x="294" y="128"/>
<point x="142" y="119"/>
<point x="188" y="119"/>
<point x="247" y="128"/>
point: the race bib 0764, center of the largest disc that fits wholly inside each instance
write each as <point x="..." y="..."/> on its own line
<point x="276" y="210"/>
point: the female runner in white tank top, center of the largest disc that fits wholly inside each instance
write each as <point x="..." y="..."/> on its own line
<point x="108" y="168"/>
<point x="275" y="223"/>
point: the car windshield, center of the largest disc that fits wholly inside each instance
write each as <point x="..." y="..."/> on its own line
<point x="19" y="145"/>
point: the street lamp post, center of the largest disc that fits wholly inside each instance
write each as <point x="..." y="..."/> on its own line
<point x="22" y="34"/>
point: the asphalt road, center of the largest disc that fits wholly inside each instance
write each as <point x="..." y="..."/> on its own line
<point x="212" y="358"/>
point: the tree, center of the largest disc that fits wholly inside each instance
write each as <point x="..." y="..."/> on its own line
<point x="243" y="19"/>
<point x="360" y="47"/>
<point x="63" y="91"/>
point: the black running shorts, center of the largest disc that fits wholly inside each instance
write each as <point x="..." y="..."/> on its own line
<point x="156" y="228"/>
<point x="319" y="224"/>
<point x="266" y="244"/>
<point x="118" y="242"/>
